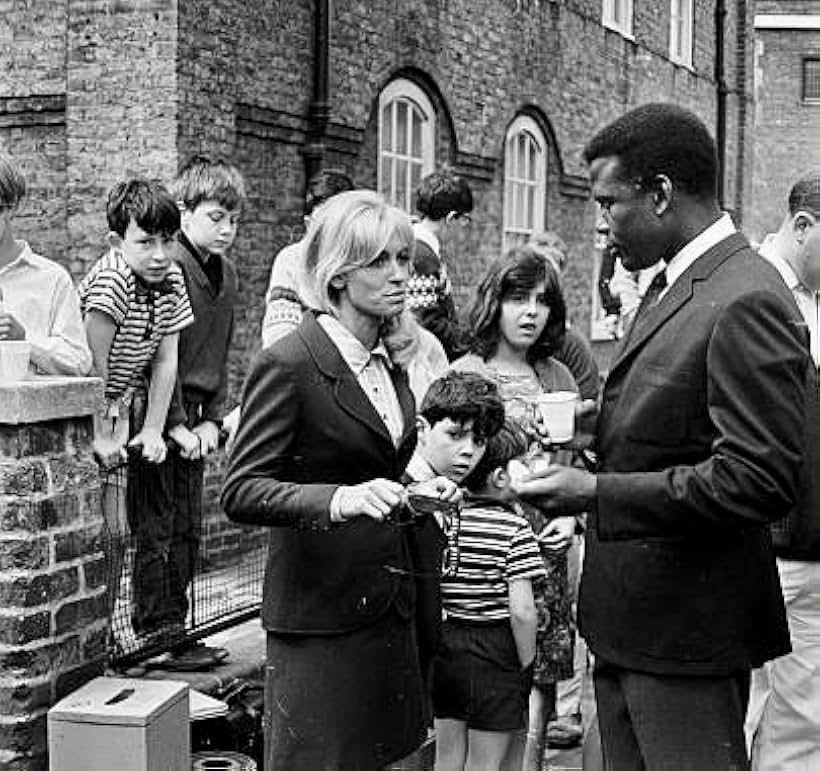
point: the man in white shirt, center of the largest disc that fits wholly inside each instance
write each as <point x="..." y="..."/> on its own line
<point x="699" y="443"/>
<point x="38" y="301"/>
<point x="783" y="719"/>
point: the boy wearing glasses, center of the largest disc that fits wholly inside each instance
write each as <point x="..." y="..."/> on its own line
<point x="442" y="200"/>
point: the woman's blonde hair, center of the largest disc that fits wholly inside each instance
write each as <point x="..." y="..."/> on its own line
<point x="347" y="232"/>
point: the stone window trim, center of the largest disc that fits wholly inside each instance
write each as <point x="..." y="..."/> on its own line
<point x="617" y="16"/>
<point x="407" y="140"/>
<point x="526" y="156"/>
<point x="810" y="79"/>
<point x="681" y="31"/>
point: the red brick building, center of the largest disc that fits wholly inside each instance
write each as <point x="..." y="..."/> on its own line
<point x="787" y="106"/>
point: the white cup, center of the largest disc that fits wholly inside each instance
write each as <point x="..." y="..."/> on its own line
<point x="558" y="411"/>
<point x="14" y="355"/>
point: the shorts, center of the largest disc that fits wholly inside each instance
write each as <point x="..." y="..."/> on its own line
<point x="477" y="677"/>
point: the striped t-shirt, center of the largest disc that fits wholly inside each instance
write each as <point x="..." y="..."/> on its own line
<point x="144" y="314"/>
<point x="495" y="546"/>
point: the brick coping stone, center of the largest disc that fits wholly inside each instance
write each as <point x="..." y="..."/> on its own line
<point x="44" y="397"/>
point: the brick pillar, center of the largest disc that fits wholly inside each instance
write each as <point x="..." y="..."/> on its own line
<point x="53" y="622"/>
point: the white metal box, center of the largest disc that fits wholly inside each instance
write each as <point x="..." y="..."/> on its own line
<point x="121" y="724"/>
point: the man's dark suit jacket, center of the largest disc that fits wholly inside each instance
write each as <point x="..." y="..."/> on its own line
<point x="699" y="443"/>
<point x="306" y="428"/>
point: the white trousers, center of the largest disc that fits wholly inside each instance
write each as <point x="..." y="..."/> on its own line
<point x="783" y="719"/>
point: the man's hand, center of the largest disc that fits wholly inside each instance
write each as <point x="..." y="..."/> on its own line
<point x="559" y="489"/>
<point x="376" y="499"/>
<point x="557" y="533"/>
<point x="152" y="443"/>
<point x="186" y="440"/>
<point x="10" y="328"/>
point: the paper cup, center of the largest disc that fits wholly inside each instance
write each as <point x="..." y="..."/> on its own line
<point x="558" y="411"/>
<point x="14" y="355"/>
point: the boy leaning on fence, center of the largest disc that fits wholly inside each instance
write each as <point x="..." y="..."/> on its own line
<point x="134" y="305"/>
<point x="210" y="194"/>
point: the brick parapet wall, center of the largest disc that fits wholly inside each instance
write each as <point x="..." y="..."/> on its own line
<point x="53" y="616"/>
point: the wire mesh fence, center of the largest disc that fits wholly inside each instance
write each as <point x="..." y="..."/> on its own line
<point x="226" y="585"/>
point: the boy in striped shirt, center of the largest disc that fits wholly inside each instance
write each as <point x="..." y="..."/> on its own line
<point x="482" y="670"/>
<point x="134" y="305"/>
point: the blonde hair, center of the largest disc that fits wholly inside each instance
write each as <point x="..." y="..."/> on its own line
<point x="347" y="232"/>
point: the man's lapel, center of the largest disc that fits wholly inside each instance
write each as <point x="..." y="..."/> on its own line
<point x="676" y="296"/>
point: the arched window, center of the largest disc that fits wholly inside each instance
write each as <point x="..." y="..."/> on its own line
<point x="407" y="131"/>
<point x="525" y="176"/>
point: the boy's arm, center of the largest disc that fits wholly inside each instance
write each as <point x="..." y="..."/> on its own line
<point x="100" y="329"/>
<point x="523" y="619"/>
<point x="163" y="378"/>
<point x="64" y="350"/>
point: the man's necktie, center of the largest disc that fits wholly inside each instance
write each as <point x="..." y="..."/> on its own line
<point x="650" y="300"/>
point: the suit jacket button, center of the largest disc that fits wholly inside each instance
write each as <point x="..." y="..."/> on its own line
<point x="361" y="605"/>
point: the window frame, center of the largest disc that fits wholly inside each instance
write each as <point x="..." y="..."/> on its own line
<point x="815" y="59"/>
<point x="525" y="124"/>
<point x="686" y="20"/>
<point x="402" y="89"/>
<point x="610" y="21"/>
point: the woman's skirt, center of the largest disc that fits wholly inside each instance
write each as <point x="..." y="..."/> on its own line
<point x="344" y="702"/>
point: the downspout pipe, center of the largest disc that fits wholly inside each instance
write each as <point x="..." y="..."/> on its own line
<point x="319" y="111"/>
<point x="722" y="94"/>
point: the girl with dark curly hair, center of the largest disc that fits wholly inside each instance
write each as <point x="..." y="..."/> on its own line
<point x="517" y="321"/>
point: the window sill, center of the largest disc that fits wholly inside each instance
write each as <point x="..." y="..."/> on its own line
<point x="613" y="27"/>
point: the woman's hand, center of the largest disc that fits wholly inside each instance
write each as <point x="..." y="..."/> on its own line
<point x="438" y="487"/>
<point x="376" y="499"/>
<point x="557" y="534"/>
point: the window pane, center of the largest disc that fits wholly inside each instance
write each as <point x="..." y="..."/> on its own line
<point x="401" y="183"/>
<point x="522" y="157"/>
<point x="811" y="78"/>
<point x="519" y="206"/>
<point x="416" y="122"/>
<point x="384" y="187"/>
<point x="401" y="126"/>
<point x="415" y="177"/>
<point x="387" y="127"/>
<point x="531" y="207"/>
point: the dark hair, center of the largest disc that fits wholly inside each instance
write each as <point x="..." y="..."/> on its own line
<point x="441" y="192"/>
<point x="509" y="442"/>
<point x="323" y="185"/>
<point x="146" y="202"/>
<point x="12" y="183"/>
<point x="660" y="138"/>
<point x="805" y="195"/>
<point x="522" y="268"/>
<point x="463" y="396"/>
<point x="205" y="179"/>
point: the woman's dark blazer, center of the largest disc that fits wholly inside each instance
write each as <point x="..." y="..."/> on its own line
<point x="307" y="427"/>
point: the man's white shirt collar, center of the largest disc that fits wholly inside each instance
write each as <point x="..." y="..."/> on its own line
<point x="697" y="247"/>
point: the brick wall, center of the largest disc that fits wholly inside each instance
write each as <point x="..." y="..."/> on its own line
<point x="121" y="108"/>
<point x="53" y="623"/>
<point x="786" y="145"/>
